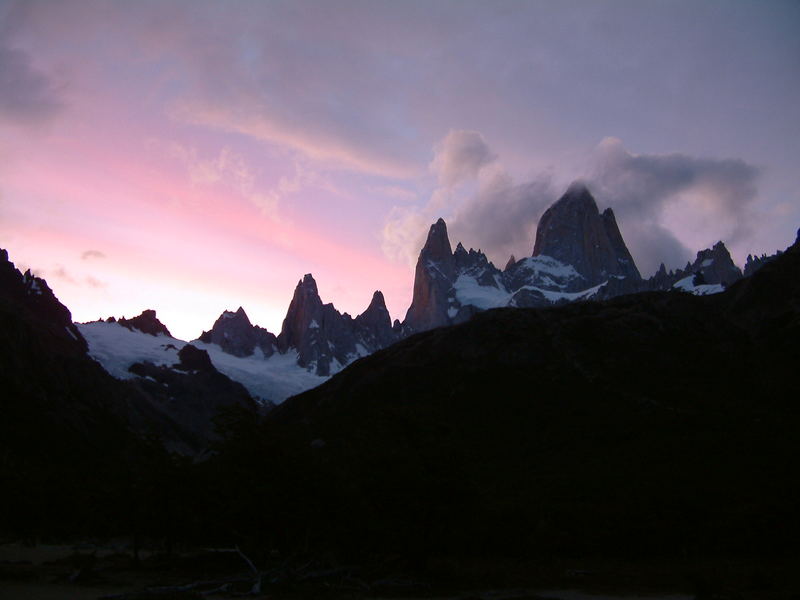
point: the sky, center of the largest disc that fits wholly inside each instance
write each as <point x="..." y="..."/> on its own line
<point x="194" y="156"/>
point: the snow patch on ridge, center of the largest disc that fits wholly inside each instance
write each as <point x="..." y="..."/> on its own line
<point x="272" y="379"/>
<point x="117" y="347"/>
<point x="469" y="291"/>
<point x="686" y="285"/>
<point x="549" y="271"/>
<point x="568" y="296"/>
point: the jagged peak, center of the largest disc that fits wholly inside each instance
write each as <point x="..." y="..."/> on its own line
<point x="147" y="322"/>
<point x="511" y="262"/>
<point x="378" y="299"/>
<point x="437" y="244"/>
<point x="377" y="306"/>
<point x="308" y="284"/>
<point x="717" y="250"/>
<point x="239" y="315"/>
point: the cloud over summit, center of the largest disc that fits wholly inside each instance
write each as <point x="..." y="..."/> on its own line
<point x="672" y="205"/>
<point x="668" y="206"/>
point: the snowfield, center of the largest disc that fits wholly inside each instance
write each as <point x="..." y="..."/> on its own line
<point x="469" y="292"/>
<point x="549" y="271"/>
<point x="705" y="289"/>
<point x="270" y="379"/>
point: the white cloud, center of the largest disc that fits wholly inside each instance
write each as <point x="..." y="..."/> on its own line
<point x="460" y="156"/>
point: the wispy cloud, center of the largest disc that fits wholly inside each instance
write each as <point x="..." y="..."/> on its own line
<point x="92" y="254"/>
<point x="460" y="156"/>
<point x="670" y="205"/>
<point x="335" y="151"/>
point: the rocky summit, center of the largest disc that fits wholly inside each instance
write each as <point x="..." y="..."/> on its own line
<point x="147" y="322"/>
<point x="433" y="279"/>
<point x="712" y="267"/>
<point x="234" y="333"/>
<point x="574" y="232"/>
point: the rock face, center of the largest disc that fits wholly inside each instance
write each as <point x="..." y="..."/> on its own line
<point x="716" y="266"/>
<point x="575" y="233"/>
<point x="324" y="338"/>
<point x="147" y="322"/>
<point x="375" y="325"/>
<point x="433" y="279"/>
<point x="234" y="333"/>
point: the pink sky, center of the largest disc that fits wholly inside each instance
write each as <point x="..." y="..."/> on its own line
<point x="192" y="157"/>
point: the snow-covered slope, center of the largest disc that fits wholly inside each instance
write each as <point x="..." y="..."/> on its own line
<point x="270" y="379"/>
<point x="704" y="289"/>
<point x="469" y="292"/>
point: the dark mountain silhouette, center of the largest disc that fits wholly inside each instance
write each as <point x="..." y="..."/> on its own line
<point x="49" y="378"/>
<point x="659" y="423"/>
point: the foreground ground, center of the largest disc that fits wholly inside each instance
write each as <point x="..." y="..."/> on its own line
<point x="87" y="571"/>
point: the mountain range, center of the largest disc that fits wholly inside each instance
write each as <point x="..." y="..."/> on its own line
<point x="550" y="410"/>
<point x="579" y="253"/>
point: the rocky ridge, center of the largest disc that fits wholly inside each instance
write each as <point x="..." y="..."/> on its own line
<point x="324" y="339"/>
<point x="712" y="266"/>
<point x="147" y="322"/>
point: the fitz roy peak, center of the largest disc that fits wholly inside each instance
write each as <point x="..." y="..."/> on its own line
<point x="574" y="232"/>
<point x="579" y="253"/>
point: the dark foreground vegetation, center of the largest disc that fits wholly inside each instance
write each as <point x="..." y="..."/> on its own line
<point x="657" y="430"/>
